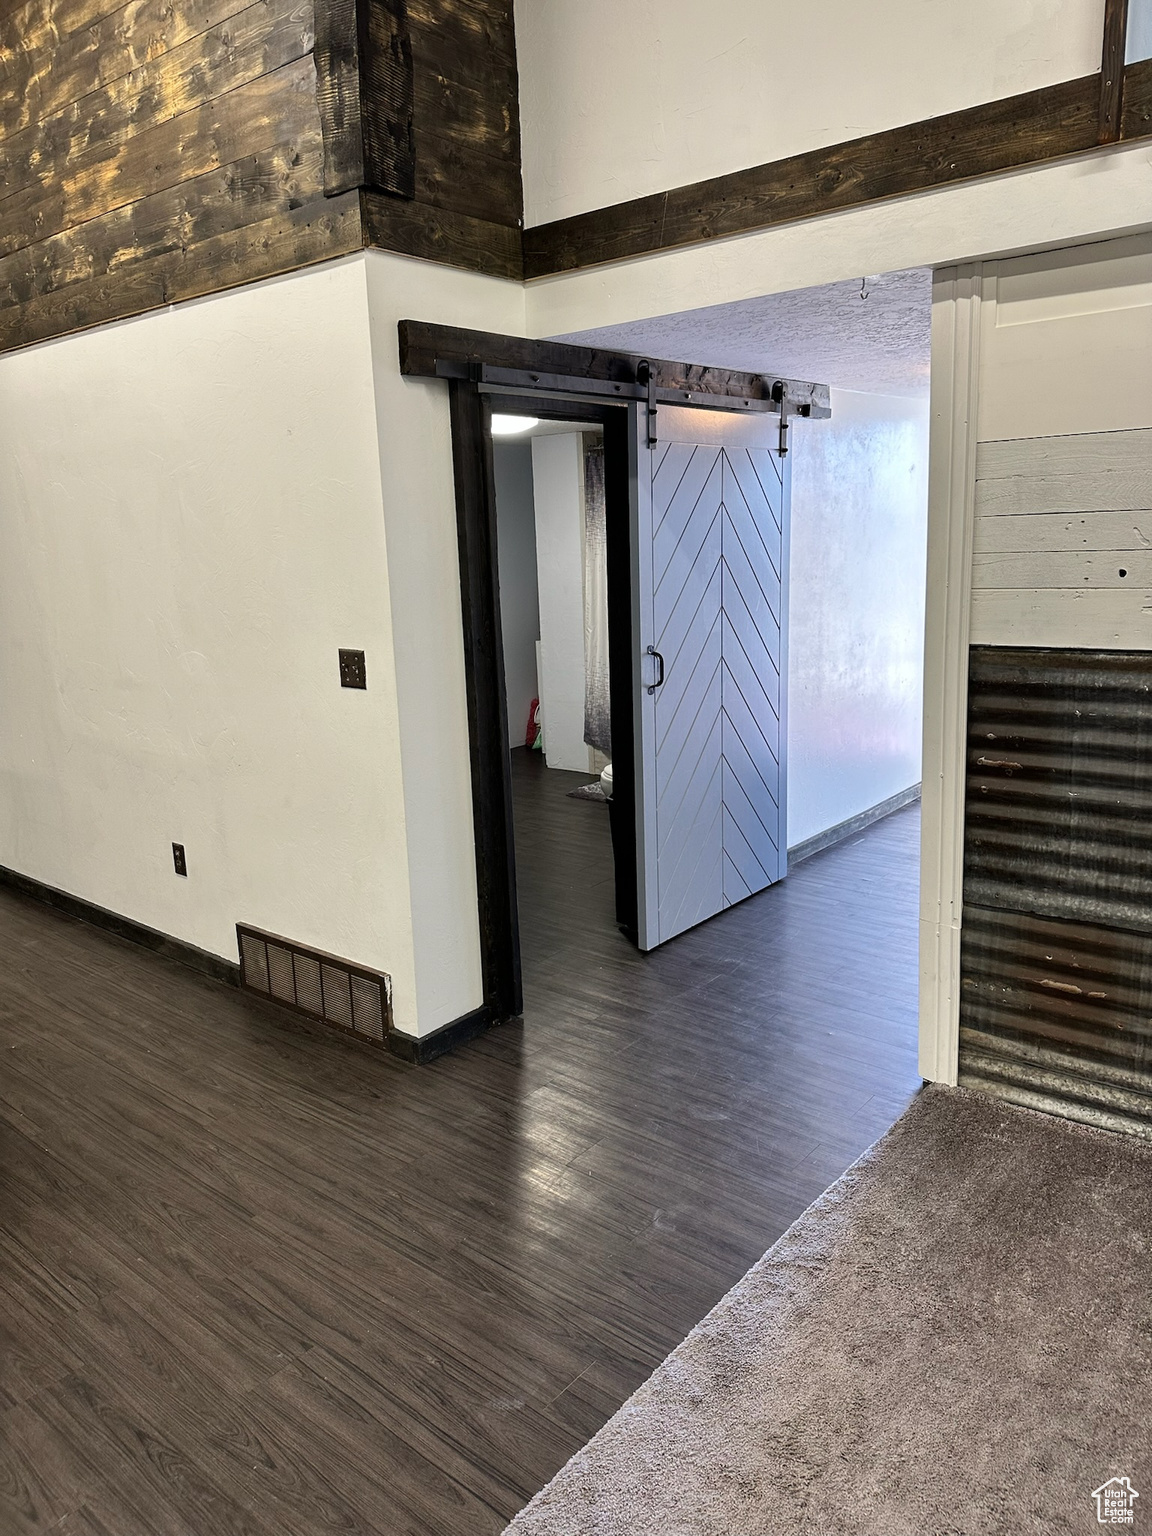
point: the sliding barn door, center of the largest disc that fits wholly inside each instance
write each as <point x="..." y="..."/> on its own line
<point x="710" y="586"/>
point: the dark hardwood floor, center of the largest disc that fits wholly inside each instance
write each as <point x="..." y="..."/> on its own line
<point x="255" y="1278"/>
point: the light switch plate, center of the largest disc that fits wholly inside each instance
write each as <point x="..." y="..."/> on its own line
<point x="352" y="674"/>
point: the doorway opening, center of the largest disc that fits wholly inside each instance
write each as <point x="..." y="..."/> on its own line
<point x="573" y="839"/>
<point x="515" y="377"/>
<point x="671" y="494"/>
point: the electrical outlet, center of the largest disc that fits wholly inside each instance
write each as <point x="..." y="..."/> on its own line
<point x="179" y="862"/>
<point x="352" y="670"/>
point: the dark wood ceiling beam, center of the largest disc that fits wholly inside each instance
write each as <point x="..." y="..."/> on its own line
<point x="1029" y="129"/>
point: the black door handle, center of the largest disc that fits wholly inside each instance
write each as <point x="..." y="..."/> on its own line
<point x="655" y="654"/>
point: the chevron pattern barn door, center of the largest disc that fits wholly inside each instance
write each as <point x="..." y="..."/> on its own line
<point x="713" y="813"/>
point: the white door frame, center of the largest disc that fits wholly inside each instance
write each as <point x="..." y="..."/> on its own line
<point x="956" y="298"/>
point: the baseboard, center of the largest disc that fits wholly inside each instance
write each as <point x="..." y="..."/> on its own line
<point x="843" y="829"/>
<point x="123" y="927"/>
<point x="428" y="1047"/>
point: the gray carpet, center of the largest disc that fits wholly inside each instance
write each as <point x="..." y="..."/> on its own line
<point x="954" y="1339"/>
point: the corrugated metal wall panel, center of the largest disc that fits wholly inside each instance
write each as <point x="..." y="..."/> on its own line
<point x="1056" y="943"/>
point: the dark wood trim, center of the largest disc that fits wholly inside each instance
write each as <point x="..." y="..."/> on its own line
<point x="364" y="91"/>
<point x="622" y="681"/>
<point x="487" y="703"/>
<point x="123" y="927"/>
<point x="406" y="1047"/>
<point x="428" y="1047"/>
<point x="444" y="351"/>
<point x="1028" y="129"/>
<point x="438" y="234"/>
<point x="853" y="824"/>
<point x="1112" y="71"/>
<point x="612" y="420"/>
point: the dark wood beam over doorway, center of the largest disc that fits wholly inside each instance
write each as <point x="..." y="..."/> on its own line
<point x="1029" y="129"/>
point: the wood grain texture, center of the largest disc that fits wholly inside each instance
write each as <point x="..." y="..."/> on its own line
<point x="1026" y="129"/>
<point x="1110" y="115"/>
<point x="467" y="109"/>
<point x="164" y="149"/>
<point x="281" y="243"/>
<point x="435" y="234"/>
<point x="256" y="116"/>
<point x="386" y="97"/>
<point x="45" y="23"/>
<point x="1060" y="531"/>
<point x="1117" y="619"/>
<point x="364" y="85"/>
<point x="257" y="1279"/>
<point x="1062" y="544"/>
<point x="1136" y="117"/>
<point x="260" y="39"/>
<point x="275" y="181"/>
<point x="1051" y="569"/>
<point x="424" y="345"/>
<point x="38" y="81"/>
<point x="1084" y="457"/>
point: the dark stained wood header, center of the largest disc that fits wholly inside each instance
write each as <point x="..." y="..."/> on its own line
<point x="443" y="351"/>
<point x="1028" y="129"/>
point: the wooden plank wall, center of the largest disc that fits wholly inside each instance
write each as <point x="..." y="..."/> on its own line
<point x="155" y="151"/>
<point x="1062" y="547"/>
<point x="162" y="149"/>
<point x="468" y="202"/>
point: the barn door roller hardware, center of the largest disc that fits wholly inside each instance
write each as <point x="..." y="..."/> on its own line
<point x="780" y="396"/>
<point x="520" y="364"/>
<point x="647" y="380"/>
<point x="490" y="376"/>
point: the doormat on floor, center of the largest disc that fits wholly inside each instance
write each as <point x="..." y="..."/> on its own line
<point x="956" y="1337"/>
<point x="588" y="792"/>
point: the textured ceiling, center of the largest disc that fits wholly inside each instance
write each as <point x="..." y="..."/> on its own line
<point x="872" y="336"/>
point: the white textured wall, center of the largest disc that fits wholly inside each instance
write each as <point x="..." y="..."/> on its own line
<point x="191" y="526"/>
<point x="558" y="479"/>
<point x="415" y="456"/>
<point x="197" y="509"/>
<point x="856" y="608"/>
<point x="519" y="596"/>
<point x="618" y="100"/>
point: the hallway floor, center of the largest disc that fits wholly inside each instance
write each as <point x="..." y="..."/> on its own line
<point x="255" y="1278"/>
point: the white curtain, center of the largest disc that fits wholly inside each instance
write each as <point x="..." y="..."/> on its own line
<point x="597" y="717"/>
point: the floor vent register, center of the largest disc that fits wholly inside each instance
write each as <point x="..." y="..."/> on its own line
<point x="337" y="992"/>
